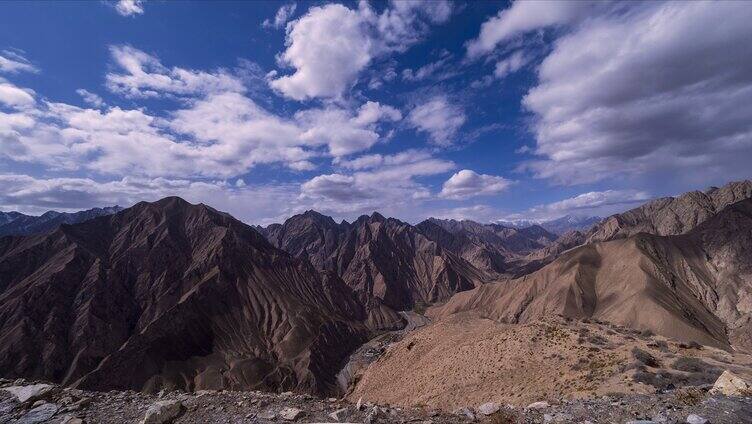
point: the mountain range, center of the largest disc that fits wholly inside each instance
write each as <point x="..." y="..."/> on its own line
<point x="168" y="294"/>
<point x="16" y="223"/>
<point x="557" y="226"/>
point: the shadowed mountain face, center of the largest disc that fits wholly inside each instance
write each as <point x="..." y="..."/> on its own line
<point x="379" y="258"/>
<point x="695" y="286"/>
<point x="170" y="294"/>
<point x="18" y="224"/>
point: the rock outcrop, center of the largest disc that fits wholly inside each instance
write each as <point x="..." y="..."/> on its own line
<point x="382" y="259"/>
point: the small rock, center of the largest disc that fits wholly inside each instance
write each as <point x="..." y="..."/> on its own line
<point x="72" y="420"/>
<point x="730" y="384"/>
<point x="641" y="422"/>
<point x="40" y="414"/>
<point x="538" y="405"/>
<point x="30" y="393"/>
<point x="290" y="414"/>
<point x="38" y="403"/>
<point x="465" y="412"/>
<point x="163" y="412"/>
<point x="267" y="415"/>
<point x="339" y="414"/>
<point x="488" y="408"/>
<point x="359" y="404"/>
<point x="696" y="419"/>
<point x="372" y="416"/>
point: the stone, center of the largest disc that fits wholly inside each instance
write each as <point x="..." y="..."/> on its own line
<point x="72" y="420"/>
<point x="465" y="412"/>
<point x="730" y="384"/>
<point x="538" y="405"/>
<point x="163" y="412"/>
<point x="40" y="414"/>
<point x="290" y="414"/>
<point x="359" y="404"/>
<point x="696" y="419"/>
<point x="488" y="408"/>
<point x="267" y="415"/>
<point x="339" y="414"/>
<point x="30" y="393"/>
<point x="641" y="422"/>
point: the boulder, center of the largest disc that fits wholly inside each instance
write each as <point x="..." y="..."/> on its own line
<point x="163" y="412"/>
<point x="40" y="414"/>
<point x="339" y="414"/>
<point x="290" y="414"/>
<point x="730" y="384"/>
<point x="488" y="408"/>
<point x="538" y="405"/>
<point x="30" y="393"/>
<point x="696" y="419"/>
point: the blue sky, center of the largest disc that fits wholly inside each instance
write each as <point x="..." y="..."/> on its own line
<point x="480" y="110"/>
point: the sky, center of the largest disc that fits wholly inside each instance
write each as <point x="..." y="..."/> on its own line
<point x="468" y="110"/>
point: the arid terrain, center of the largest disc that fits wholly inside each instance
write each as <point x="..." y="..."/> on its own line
<point x="646" y="315"/>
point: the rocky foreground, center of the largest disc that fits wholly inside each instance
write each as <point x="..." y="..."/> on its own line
<point x="25" y="402"/>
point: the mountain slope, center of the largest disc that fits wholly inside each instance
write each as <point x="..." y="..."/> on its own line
<point x="170" y="294"/>
<point x="692" y="287"/>
<point x="14" y="223"/>
<point x="382" y="259"/>
<point x="671" y="215"/>
<point x="489" y="247"/>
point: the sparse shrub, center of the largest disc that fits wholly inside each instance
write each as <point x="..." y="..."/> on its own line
<point x="645" y="357"/>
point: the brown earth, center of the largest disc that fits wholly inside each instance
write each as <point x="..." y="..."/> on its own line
<point x="468" y="360"/>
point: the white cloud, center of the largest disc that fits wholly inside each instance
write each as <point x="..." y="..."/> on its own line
<point x="467" y="183"/>
<point x="15" y="97"/>
<point x="284" y="13"/>
<point x="437" y="70"/>
<point x="129" y="7"/>
<point x="525" y="16"/>
<point x="12" y="62"/>
<point x="593" y="203"/>
<point x="511" y="64"/>
<point x="32" y="195"/>
<point x="330" y="45"/>
<point x="382" y="183"/>
<point x="627" y="94"/>
<point x="341" y="132"/>
<point x="145" y="76"/>
<point x="439" y="118"/>
<point x="92" y="99"/>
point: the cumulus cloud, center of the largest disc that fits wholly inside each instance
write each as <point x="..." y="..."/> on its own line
<point x="12" y="62"/>
<point x="439" y="118"/>
<point x="343" y="133"/>
<point x="143" y="75"/>
<point x="217" y="132"/>
<point x="284" y="13"/>
<point x="129" y="7"/>
<point x="467" y="183"/>
<point x="525" y="16"/>
<point x="331" y="45"/>
<point x="627" y="94"/>
<point x="15" y="97"/>
<point x="383" y="182"/>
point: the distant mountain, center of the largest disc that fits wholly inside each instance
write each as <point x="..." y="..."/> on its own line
<point x="173" y="295"/>
<point x="382" y="259"/>
<point x="15" y="223"/>
<point x="489" y="247"/>
<point x="570" y="223"/>
<point x="557" y="226"/>
<point x="694" y="286"/>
